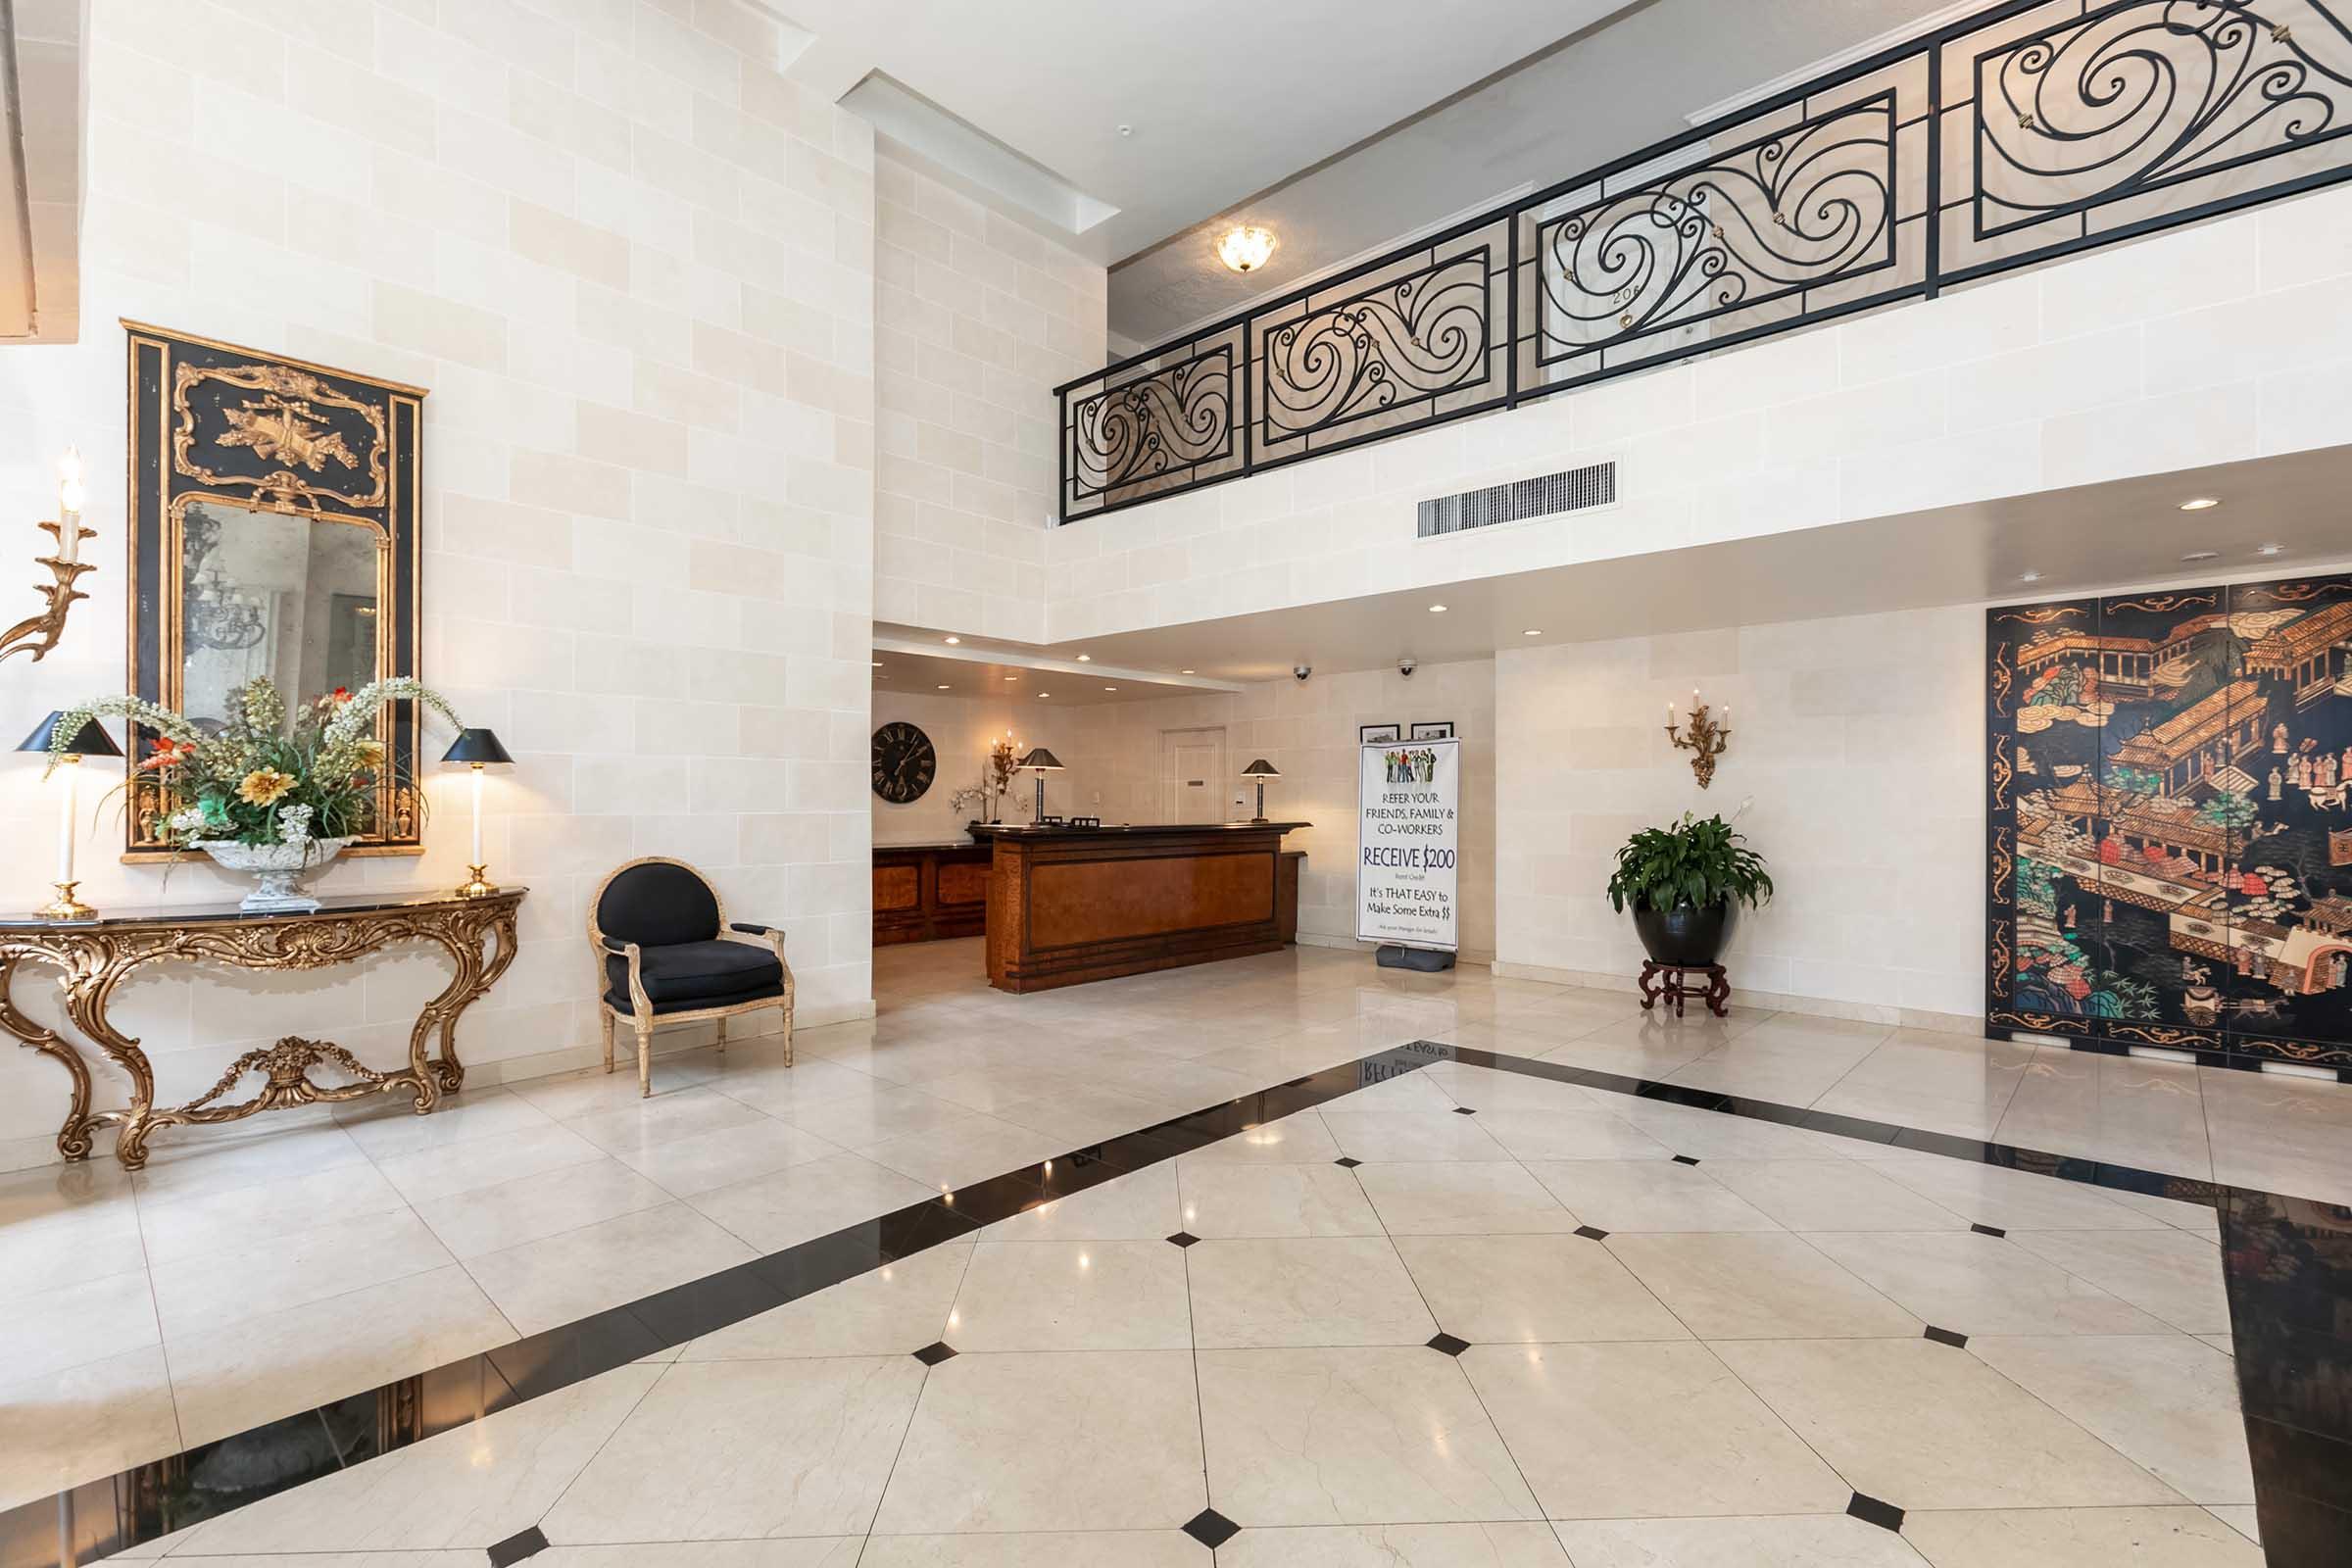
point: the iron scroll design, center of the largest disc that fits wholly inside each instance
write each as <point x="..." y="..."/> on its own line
<point x="2028" y="131"/>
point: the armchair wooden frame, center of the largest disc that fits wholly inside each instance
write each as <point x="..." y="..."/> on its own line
<point x="641" y="1018"/>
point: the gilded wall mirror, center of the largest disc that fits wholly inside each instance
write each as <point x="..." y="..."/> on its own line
<point x="273" y="533"/>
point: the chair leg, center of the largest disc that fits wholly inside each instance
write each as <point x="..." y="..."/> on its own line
<point x="606" y="1020"/>
<point x="644" y="1062"/>
<point x="786" y="1009"/>
<point x="722" y="1035"/>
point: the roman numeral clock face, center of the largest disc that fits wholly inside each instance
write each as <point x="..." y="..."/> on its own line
<point x="903" y="762"/>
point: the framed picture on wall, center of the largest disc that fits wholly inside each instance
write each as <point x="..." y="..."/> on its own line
<point x="1374" y="734"/>
<point x="1441" y="730"/>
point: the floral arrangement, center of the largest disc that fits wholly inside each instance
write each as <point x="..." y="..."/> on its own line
<point x="261" y="780"/>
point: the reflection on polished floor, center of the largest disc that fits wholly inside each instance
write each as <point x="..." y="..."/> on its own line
<point x="1661" y="1335"/>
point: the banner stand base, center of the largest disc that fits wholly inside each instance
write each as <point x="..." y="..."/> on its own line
<point x="1428" y="960"/>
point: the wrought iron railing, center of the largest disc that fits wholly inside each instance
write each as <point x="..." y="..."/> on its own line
<point x="2036" y="129"/>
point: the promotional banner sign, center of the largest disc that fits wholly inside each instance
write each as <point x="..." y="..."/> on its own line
<point x="1408" y="796"/>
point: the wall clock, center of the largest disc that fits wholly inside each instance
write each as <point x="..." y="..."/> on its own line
<point x="905" y="763"/>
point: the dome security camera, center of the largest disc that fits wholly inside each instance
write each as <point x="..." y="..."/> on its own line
<point x="1300" y="673"/>
<point x="1405" y="668"/>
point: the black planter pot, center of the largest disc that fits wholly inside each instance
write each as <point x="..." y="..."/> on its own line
<point x="1685" y="935"/>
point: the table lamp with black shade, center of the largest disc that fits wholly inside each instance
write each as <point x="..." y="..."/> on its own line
<point x="1261" y="771"/>
<point x="1041" y="762"/>
<point x="477" y="749"/>
<point x="89" y="741"/>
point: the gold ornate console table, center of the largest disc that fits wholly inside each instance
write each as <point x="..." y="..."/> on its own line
<point x="94" y="956"/>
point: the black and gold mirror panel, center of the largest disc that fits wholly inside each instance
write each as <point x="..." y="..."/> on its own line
<point x="273" y="533"/>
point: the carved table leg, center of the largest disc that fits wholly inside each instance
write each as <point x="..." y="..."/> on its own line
<point x="88" y="986"/>
<point x="73" y="1138"/>
<point x="475" y="976"/>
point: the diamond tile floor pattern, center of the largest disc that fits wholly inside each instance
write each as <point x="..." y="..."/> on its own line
<point x="1574" y="1327"/>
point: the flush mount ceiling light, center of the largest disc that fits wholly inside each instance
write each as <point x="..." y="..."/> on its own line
<point x="2202" y="555"/>
<point x="2200" y="502"/>
<point x="1246" y="248"/>
<point x="954" y="639"/>
<point x="1044" y="694"/>
<point x="1187" y="672"/>
<point x="2029" y="576"/>
<point x="1110" y="688"/>
<point x="1012" y="678"/>
<point x="2270" y="550"/>
<point x="1086" y="658"/>
<point x="877" y="664"/>
<point x="1533" y="631"/>
<point x="942" y="685"/>
<point x="1437" y="610"/>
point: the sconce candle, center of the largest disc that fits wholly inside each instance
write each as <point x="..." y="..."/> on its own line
<point x="37" y="634"/>
<point x="89" y="741"/>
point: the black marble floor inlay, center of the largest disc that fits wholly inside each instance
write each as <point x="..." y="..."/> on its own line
<point x="2288" y="1263"/>
<point x="1685" y="1160"/>
<point x="522" y="1543"/>
<point x="1346" y="1163"/>
<point x="1464" y="1110"/>
<point x="1988" y="1230"/>
<point x="1452" y="1345"/>
<point x="1871" y="1511"/>
<point x="1957" y="1341"/>
<point x="1593" y="1233"/>
<point x="1211" y="1529"/>
<point x="936" y="1352"/>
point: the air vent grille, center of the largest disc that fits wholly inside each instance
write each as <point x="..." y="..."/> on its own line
<point x="1572" y="490"/>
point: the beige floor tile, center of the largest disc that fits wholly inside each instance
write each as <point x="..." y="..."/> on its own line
<point x="2240" y="1519"/>
<point x="1360" y="1436"/>
<point x="769" y="1085"/>
<point x="2079" y="1538"/>
<point x="643" y="1124"/>
<point x="1268" y="1199"/>
<point x="89" y="1242"/>
<point x="1134" y="1207"/>
<point x="469" y="1486"/>
<point x="1713" y="1134"/>
<point x="701" y="1161"/>
<point x="835" y="1551"/>
<point x="728" y="1450"/>
<point x="805" y="1201"/>
<point x="1975" y="1284"/>
<point x="895" y="1309"/>
<point x="1072" y="1296"/>
<point x="2175" y="1275"/>
<point x="189" y="1161"/>
<point x="2195" y="1217"/>
<point x="1467" y="1200"/>
<point x="230" y="1220"/>
<point x="488" y="1219"/>
<point x="1785" y="1073"/>
<point x="1798" y="1541"/>
<point x="1552" y="1135"/>
<point x="1478" y="1546"/>
<point x="72" y="1425"/>
<point x="387" y="1129"/>
<point x="861" y="1121"/>
<point x="258" y="1369"/>
<point x="2013" y="1200"/>
<point x="2125" y="1110"/>
<point x="1493" y="1290"/>
<point x="546" y="1283"/>
<point x="1754" y="1287"/>
<point x="87" y="1320"/>
<point x="947" y="1158"/>
<point x="1827" y="1195"/>
<point x="1303" y="1139"/>
<point x="1649" y="1195"/>
<point x="2166" y="1401"/>
<point x="1921" y="1425"/>
<point x="1076" y="1116"/>
<point x="1631" y="1431"/>
<point x="990" y="1447"/>
<point x="1303" y="1290"/>
<point x="1409" y="1136"/>
<point x="1127" y="1549"/>
<point x="199" y="1293"/>
<point x="443" y="1170"/>
<point x="1488" y="1090"/>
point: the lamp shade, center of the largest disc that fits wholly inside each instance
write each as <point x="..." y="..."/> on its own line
<point x="91" y="741"/>
<point x="1042" y="760"/>
<point x="1261" y="768"/>
<point x="477" y="745"/>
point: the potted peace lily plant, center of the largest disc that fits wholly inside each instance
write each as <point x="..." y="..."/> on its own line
<point x="1684" y="883"/>
<point x="261" y="795"/>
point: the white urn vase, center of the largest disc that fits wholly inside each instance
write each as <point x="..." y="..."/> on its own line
<point x="280" y="868"/>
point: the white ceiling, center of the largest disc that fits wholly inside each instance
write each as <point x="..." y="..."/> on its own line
<point x="2127" y="535"/>
<point x="1224" y="97"/>
<point x="40" y="170"/>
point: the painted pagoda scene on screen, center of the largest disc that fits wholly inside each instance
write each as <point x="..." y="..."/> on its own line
<point x="2170" y="805"/>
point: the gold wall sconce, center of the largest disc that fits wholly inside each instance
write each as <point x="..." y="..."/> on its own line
<point x="37" y="634"/>
<point x="1708" y="734"/>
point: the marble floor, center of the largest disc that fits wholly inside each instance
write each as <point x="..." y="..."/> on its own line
<point x="1665" y="1336"/>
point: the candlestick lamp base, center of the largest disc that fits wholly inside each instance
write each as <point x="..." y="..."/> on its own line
<point x="477" y="884"/>
<point x="66" y="906"/>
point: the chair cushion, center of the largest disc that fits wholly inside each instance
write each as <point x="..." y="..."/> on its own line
<point x="701" y="974"/>
<point x="619" y="1001"/>
<point x="658" y="904"/>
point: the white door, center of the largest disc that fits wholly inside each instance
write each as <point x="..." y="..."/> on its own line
<point x="1192" y="775"/>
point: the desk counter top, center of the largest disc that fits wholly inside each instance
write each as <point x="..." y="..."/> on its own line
<point x="1058" y="831"/>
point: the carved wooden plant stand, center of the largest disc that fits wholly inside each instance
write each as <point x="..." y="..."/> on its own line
<point x="1672" y="982"/>
<point x="94" y="956"/>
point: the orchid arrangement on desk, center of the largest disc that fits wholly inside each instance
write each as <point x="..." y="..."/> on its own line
<point x="261" y="780"/>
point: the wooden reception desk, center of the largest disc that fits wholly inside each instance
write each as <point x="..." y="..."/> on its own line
<point x="1069" y="905"/>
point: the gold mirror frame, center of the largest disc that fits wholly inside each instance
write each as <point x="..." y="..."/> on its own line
<point x="210" y="422"/>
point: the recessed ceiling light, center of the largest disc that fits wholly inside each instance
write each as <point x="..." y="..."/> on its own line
<point x="1533" y="631"/>
<point x="954" y="639"/>
<point x="2200" y="502"/>
<point x="1187" y="672"/>
<point x="942" y="685"/>
<point x="1012" y="678"/>
<point x="1437" y="610"/>
<point x="2202" y="555"/>
<point x="2029" y="576"/>
<point x="2270" y="550"/>
<point x="1086" y="658"/>
<point x="877" y="664"/>
<point x="1044" y="694"/>
<point x="1110" y="688"/>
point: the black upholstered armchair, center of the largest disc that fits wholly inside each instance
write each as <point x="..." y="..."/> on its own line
<point x="667" y="953"/>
